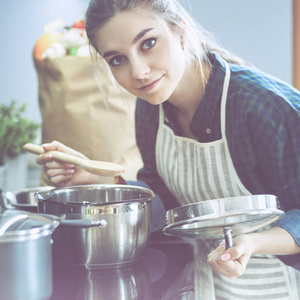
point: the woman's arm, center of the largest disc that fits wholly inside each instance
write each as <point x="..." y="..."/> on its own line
<point x="232" y="262"/>
<point x="279" y="165"/>
<point x="273" y="130"/>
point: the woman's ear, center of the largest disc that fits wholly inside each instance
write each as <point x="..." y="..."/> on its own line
<point x="181" y="28"/>
<point x="182" y="42"/>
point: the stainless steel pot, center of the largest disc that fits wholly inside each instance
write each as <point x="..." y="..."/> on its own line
<point x="23" y="199"/>
<point x="102" y="226"/>
<point x="26" y="258"/>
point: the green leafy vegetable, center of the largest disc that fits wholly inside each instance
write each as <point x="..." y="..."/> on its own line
<point x="15" y="130"/>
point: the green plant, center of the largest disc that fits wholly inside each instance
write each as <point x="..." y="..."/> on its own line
<point x="15" y="130"/>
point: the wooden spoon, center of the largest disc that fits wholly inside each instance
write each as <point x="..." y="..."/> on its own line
<point x="100" y="168"/>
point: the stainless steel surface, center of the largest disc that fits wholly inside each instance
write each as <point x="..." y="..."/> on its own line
<point x="102" y="227"/>
<point x="27" y="270"/>
<point x="207" y="219"/>
<point x="26" y="258"/>
<point x="23" y="199"/>
<point x="228" y="237"/>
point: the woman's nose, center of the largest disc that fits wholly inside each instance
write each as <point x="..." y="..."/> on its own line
<point x="139" y="69"/>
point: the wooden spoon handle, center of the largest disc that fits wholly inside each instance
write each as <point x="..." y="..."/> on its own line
<point x="63" y="157"/>
<point x="95" y="167"/>
<point x="35" y="149"/>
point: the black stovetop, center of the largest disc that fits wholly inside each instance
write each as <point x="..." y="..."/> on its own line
<point x="149" y="279"/>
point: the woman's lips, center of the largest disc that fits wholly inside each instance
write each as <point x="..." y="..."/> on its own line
<point x="151" y="86"/>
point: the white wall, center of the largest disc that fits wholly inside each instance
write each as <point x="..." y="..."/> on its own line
<point x="260" y="31"/>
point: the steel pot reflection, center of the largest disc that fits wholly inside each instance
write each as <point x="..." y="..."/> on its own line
<point x="130" y="283"/>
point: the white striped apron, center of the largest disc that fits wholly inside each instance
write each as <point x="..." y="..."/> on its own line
<point x="196" y="172"/>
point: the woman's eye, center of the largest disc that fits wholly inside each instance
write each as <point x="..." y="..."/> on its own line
<point x="149" y="43"/>
<point x="117" y="60"/>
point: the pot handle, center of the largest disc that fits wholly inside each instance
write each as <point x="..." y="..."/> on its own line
<point x="228" y="237"/>
<point x="81" y="223"/>
<point x="84" y="223"/>
<point x="4" y="201"/>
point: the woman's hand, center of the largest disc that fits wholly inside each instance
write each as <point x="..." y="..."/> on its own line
<point x="63" y="174"/>
<point x="232" y="262"/>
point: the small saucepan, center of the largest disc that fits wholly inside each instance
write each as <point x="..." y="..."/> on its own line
<point x="23" y="199"/>
<point x="26" y="255"/>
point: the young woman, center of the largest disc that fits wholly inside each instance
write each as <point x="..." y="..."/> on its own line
<point x="207" y="127"/>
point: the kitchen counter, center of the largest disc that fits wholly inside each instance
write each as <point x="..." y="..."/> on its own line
<point x="149" y="279"/>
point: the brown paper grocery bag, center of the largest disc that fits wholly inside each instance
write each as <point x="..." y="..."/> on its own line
<point x="75" y="112"/>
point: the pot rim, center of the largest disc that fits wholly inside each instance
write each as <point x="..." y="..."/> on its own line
<point x="45" y="228"/>
<point x="10" y="199"/>
<point x="44" y="196"/>
<point x="27" y="234"/>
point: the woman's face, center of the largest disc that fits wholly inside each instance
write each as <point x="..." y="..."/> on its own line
<point x="143" y="53"/>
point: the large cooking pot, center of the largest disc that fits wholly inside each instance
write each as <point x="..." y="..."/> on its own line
<point x="26" y="258"/>
<point x="102" y="226"/>
<point x="23" y="199"/>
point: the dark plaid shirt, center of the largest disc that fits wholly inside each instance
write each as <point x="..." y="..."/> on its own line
<point x="262" y="130"/>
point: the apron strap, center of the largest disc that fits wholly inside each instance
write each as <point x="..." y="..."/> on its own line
<point x="224" y="100"/>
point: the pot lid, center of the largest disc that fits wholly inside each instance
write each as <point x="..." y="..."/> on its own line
<point x="208" y="219"/>
<point x="18" y="225"/>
